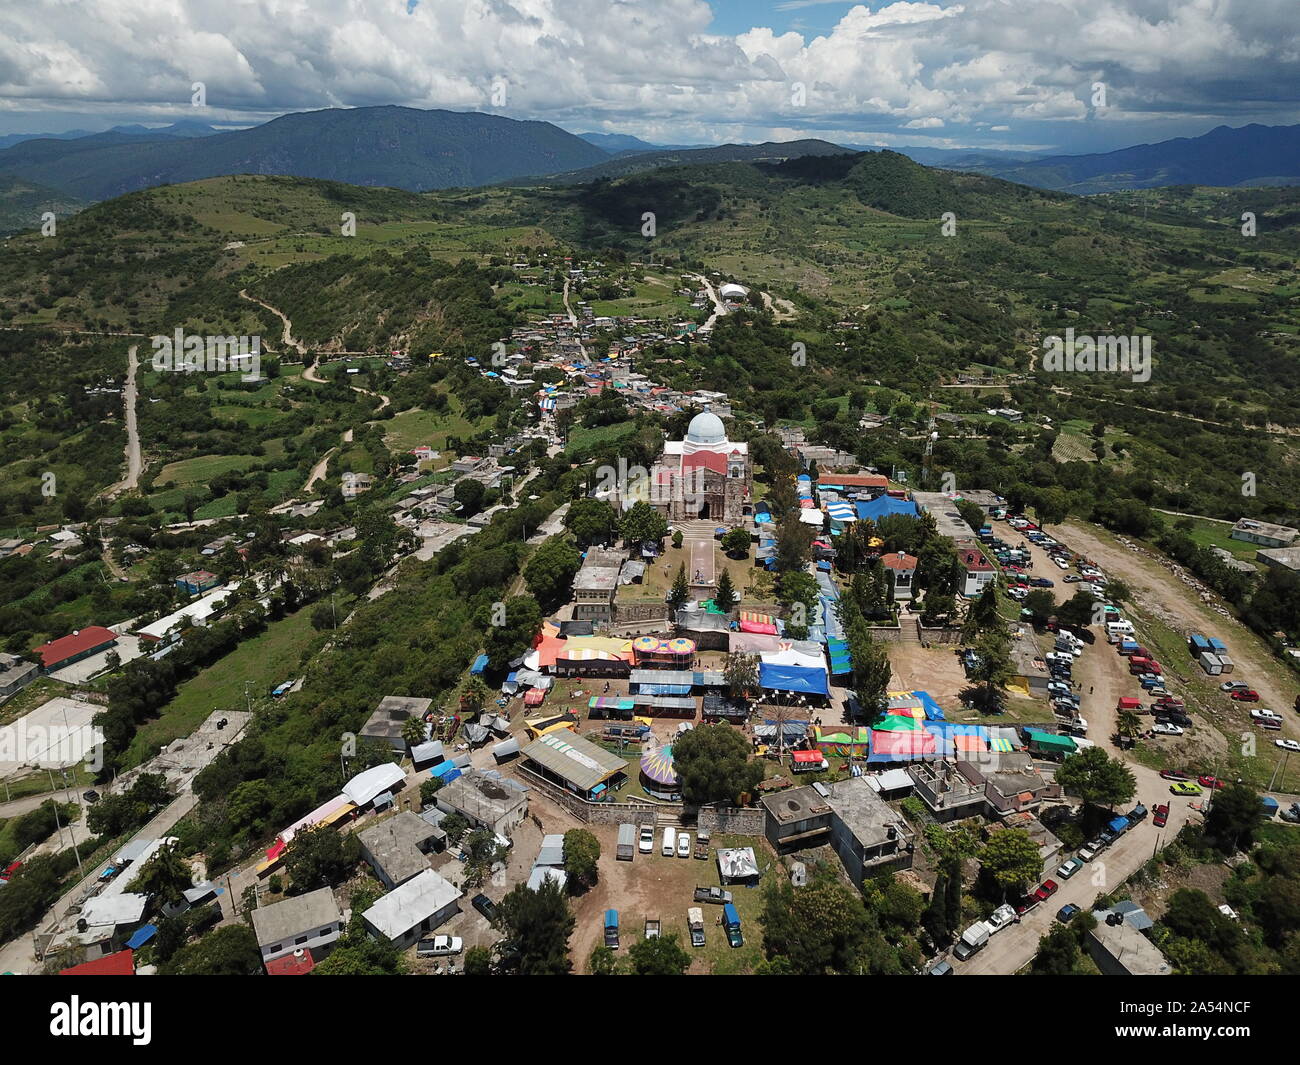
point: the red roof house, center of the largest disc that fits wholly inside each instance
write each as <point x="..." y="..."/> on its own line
<point x="289" y="965"/>
<point x="120" y="964"/>
<point x="78" y="645"/>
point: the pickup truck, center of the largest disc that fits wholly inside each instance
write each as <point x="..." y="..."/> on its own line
<point x="712" y="894"/>
<point x="652" y="928"/>
<point x="1000" y="918"/>
<point x="695" y="922"/>
<point x="702" y="845"/>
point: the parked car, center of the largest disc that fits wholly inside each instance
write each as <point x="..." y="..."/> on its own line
<point x="90" y="796"/>
<point x="1288" y="745"/>
<point x="1234" y="686"/>
<point x="611" y="929"/>
<point x="1042" y="582"/>
<point x="1207" y="781"/>
<point x="1174" y="774"/>
<point x="1138" y="813"/>
<point x="1184" y="787"/>
<point x="1292" y="813"/>
<point x="646" y="844"/>
<point x="439" y="947"/>
<point x="10" y="870"/>
<point x="1161" y="817"/>
<point x="712" y="894"/>
<point x="683" y="845"/>
<point x="1089" y="851"/>
<point x="485" y="906"/>
<point x="1069" y="868"/>
<point x="1162" y="729"/>
<point x="1046" y="890"/>
<point x="1066" y="913"/>
<point x="1249" y="695"/>
<point x="1175" y="717"/>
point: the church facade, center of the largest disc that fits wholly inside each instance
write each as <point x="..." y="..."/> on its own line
<point x="704" y="477"/>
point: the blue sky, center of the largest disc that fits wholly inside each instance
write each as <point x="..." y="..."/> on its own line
<point x="993" y="74"/>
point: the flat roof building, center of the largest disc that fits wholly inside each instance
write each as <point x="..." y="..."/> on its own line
<point x="385" y="724"/>
<point x="420" y="905"/>
<point x="1121" y="950"/>
<point x="485" y="799"/>
<point x="1264" y="533"/>
<point x="796" y="818"/>
<point x="397" y="846"/>
<point x="868" y="834"/>
<point x="300" y="922"/>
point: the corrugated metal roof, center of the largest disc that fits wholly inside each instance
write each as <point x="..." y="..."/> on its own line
<point x="576" y="760"/>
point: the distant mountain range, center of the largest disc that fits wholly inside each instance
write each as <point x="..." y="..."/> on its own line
<point x="421" y="150"/>
<point x="386" y="146"/>
<point x="1227" y="157"/>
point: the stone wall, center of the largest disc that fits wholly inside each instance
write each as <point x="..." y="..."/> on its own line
<point x="651" y="615"/>
<point x="931" y="637"/>
<point x="886" y="633"/>
<point x="736" y="821"/>
<point x="598" y="813"/>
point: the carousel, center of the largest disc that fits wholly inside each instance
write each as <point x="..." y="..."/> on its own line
<point x="659" y="774"/>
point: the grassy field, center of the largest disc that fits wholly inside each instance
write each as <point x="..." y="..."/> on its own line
<point x="202" y="468"/>
<point x="417" y="426"/>
<point x="1208" y="533"/>
<point x="259" y="663"/>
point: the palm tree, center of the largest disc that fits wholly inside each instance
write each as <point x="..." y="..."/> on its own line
<point x="414" y="731"/>
<point x="1127" y="723"/>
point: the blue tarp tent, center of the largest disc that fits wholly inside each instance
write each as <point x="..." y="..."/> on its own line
<point x="480" y="664"/>
<point x="806" y="679"/>
<point x="446" y="771"/>
<point x="933" y="711"/>
<point x="878" y="508"/>
<point x="141" y="936"/>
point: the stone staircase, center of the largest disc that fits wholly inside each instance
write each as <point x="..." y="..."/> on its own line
<point x="909" y="630"/>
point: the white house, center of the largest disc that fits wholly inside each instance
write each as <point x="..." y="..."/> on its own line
<point x="301" y="922"/>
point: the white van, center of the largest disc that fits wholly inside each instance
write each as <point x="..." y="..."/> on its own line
<point x="1119" y="628"/>
<point x="669" y="847"/>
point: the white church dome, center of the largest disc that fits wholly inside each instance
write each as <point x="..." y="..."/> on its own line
<point x="706" y="428"/>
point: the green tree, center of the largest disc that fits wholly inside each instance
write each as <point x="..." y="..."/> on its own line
<point x="1234" y="816"/>
<point x="983" y="615"/>
<point x="1011" y="859"/>
<point x="680" y="591"/>
<point x="643" y="524"/>
<point x="822" y="928"/>
<point x="735" y="542"/>
<point x="510" y="628"/>
<point x="713" y="765"/>
<point x="603" y="962"/>
<point x="592" y="521"/>
<point x="414" y="731"/>
<point x="469" y="494"/>
<point x="536" y="926"/>
<point x="231" y="950"/>
<point x="581" y="857"/>
<point x="725" y="597"/>
<point x="992" y="670"/>
<point x="165" y="876"/>
<point x="1096" y="778"/>
<point x="320" y="856"/>
<point x="551" y="570"/>
<point x="1041" y="603"/>
<point x="478" y="961"/>
<point x="455" y="826"/>
<point x="740" y="670"/>
<point x="1057" y="955"/>
<point x="659" y="956"/>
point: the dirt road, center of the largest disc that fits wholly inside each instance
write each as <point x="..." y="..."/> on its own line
<point x="286" y="334"/>
<point x="134" y="458"/>
<point x="1160" y="593"/>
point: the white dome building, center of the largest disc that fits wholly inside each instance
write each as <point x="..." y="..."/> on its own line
<point x="706" y="428"/>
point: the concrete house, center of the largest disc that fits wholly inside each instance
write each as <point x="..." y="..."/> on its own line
<point x="396" y="847"/>
<point x="302" y="922"/>
<point x="420" y="905"/>
<point x="866" y="832"/>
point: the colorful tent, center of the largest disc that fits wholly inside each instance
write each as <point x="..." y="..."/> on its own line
<point x="876" y="509"/>
<point x="657" y="765"/>
<point x="853" y="744"/>
<point x="912" y="745"/>
<point x="752" y="622"/>
<point x="534" y="697"/>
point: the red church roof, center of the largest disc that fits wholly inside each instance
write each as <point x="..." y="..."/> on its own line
<point x="898" y="560"/>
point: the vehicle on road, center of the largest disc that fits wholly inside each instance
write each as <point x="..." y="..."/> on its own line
<point x="1161" y="817"/>
<point x="1234" y="686"/>
<point x="1174" y="774"/>
<point x="972" y="940"/>
<point x="715" y="895"/>
<point x="1066" y="913"/>
<point x="1250" y="695"/>
<point x="439" y="947"/>
<point x="1207" y="781"/>
<point x="91" y="795"/>
<point x="1138" y="813"/>
<point x="1184" y="787"/>
<point x="1089" y="851"/>
<point x="1000" y="918"/>
<point x="1069" y="868"/>
<point x="647" y="842"/>
<point x="1046" y="890"/>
